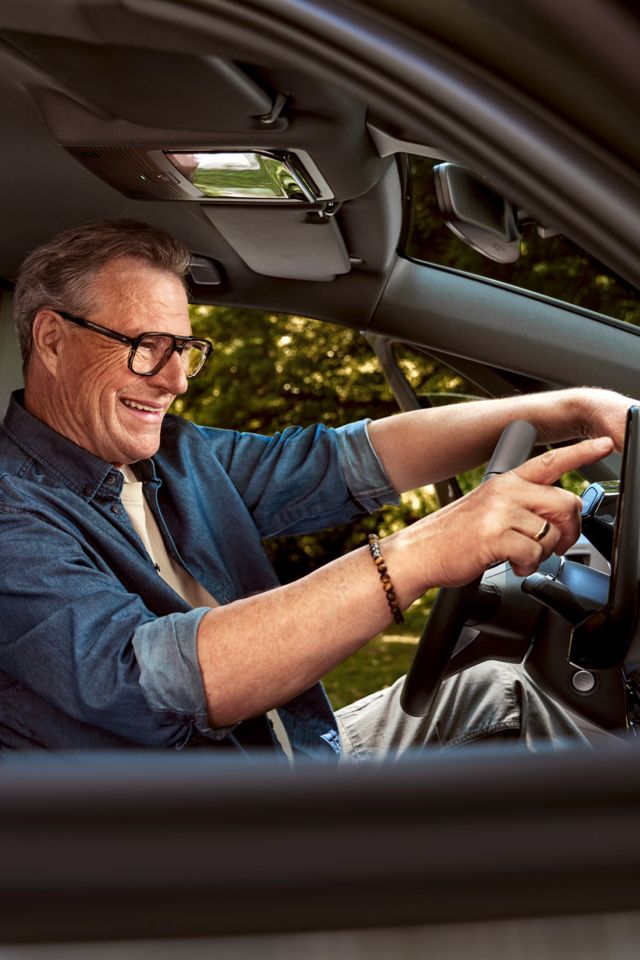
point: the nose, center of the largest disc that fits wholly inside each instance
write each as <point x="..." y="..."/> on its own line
<point x="172" y="375"/>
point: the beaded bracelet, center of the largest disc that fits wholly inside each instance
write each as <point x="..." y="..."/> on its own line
<point x="387" y="586"/>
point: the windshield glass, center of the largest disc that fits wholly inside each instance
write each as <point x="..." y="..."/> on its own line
<point x="553" y="266"/>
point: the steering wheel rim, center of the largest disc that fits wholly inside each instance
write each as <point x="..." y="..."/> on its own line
<point x="448" y="614"/>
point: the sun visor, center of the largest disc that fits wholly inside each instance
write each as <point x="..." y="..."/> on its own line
<point x="290" y="244"/>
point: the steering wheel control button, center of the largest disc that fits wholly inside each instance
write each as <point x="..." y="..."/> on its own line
<point x="590" y="499"/>
<point x="584" y="682"/>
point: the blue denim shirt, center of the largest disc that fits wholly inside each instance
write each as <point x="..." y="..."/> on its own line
<point x="96" y="650"/>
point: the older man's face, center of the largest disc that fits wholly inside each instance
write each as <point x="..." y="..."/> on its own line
<point x="100" y="404"/>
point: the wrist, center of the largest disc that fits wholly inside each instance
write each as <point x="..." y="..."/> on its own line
<point x="413" y="556"/>
<point x="385" y="578"/>
<point x="564" y="414"/>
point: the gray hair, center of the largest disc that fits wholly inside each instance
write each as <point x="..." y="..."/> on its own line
<point x="60" y="273"/>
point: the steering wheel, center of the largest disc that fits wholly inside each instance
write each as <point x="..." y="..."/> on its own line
<point x="449" y="611"/>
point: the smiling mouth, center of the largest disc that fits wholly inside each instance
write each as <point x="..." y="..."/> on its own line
<point x="142" y="407"/>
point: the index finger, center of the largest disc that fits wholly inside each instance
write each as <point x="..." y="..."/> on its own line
<point x="552" y="464"/>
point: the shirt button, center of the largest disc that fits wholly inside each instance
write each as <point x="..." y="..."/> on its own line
<point x="111" y="479"/>
<point x="115" y="509"/>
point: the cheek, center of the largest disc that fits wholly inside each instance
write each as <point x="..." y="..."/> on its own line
<point x="103" y="370"/>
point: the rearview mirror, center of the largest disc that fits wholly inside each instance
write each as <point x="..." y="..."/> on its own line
<point x="473" y="210"/>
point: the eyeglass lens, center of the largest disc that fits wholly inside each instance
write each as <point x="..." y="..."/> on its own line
<point x="154" y="351"/>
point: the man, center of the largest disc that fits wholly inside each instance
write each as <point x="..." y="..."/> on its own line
<point x="138" y="606"/>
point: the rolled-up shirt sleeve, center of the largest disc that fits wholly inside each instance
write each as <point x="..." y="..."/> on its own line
<point x="366" y="477"/>
<point x="166" y="652"/>
<point x="74" y="636"/>
<point x="300" y="480"/>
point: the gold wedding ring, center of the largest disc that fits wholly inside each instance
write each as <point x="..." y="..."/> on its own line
<point x="542" y="532"/>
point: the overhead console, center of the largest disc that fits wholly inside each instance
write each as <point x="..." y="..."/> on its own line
<point x="214" y="175"/>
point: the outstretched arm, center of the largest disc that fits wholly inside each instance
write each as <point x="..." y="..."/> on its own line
<point x="425" y="446"/>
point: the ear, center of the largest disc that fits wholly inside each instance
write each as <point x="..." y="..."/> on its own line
<point x="47" y="335"/>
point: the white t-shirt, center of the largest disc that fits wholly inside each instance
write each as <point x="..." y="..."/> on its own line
<point x="146" y="527"/>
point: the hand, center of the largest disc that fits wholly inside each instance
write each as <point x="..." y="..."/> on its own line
<point x="604" y="413"/>
<point x="517" y="516"/>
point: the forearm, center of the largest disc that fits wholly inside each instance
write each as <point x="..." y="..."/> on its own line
<point x="263" y="650"/>
<point x="425" y="446"/>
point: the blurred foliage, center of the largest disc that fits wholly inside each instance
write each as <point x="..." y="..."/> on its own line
<point x="269" y="371"/>
<point x="554" y="266"/>
<point x="371" y="668"/>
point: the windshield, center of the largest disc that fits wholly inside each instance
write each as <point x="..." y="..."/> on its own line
<point x="553" y="266"/>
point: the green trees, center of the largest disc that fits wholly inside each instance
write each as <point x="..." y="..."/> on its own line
<point x="269" y="371"/>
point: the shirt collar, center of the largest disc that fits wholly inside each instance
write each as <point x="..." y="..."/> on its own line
<point x="80" y="470"/>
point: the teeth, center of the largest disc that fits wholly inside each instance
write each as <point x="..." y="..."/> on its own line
<point x="139" y="406"/>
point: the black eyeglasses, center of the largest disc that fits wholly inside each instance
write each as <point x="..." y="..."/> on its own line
<point x="151" y="351"/>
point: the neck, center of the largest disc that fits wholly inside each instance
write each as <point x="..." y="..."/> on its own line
<point x="38" y="395"/>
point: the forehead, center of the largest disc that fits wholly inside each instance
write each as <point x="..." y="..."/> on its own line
<point x="132" y="296"/>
